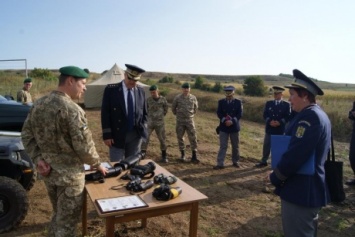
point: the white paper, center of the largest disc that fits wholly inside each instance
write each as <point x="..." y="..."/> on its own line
<point x="104" y="164"/>
<point x="120" y="203"/>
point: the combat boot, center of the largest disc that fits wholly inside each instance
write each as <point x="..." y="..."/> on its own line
<point x="163" y="157"/>
<point x="182" y="158"/>
<point x="194" y="158"/>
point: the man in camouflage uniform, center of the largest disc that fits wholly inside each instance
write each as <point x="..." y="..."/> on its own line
<point x="24" y="95"/>
<point x="157" y="107"/>
<point x="185" y="107"/>
<point x="57" y="138"/>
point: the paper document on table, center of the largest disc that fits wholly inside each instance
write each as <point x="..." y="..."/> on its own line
<point x="104" y="164"/>
<point x="121" y="203"/>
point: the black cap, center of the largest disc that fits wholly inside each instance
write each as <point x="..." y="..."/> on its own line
<point x="278" y="89"/>
<point x="229" y="88"/>
<point x="302" y="81"/>
<point x="134" y="72"/>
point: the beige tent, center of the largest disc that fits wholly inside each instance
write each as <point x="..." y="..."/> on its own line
<point x="95" y="90"/>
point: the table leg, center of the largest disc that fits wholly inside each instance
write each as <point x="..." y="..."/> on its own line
<point x="110" y="226"/>
<point x="84" y="214"/>
<point x="144" y="222"/>
<point x="193" y="220"/>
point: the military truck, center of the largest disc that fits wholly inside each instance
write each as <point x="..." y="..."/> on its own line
<point x="17" y="176"/>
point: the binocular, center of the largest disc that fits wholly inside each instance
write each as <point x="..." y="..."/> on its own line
<point x="116" y="170"/>
<point x="164" y="192"/>
<point x="163" y="179"/>
<point x="138" y="186"/>
<point x="143" y="170"/>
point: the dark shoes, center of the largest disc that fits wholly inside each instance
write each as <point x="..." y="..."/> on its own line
<point x="350" y="182"/>
<point x="195" y="161"/>
<point x="261" y="165"/>
<point x="236" y="165"/>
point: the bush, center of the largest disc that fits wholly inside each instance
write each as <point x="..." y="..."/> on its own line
<point x="217" y="87"/>
<point x="167" y="79"/>
<point x="199" y="82"/>
<point x="254" y="86"/>
<point x="43" y="74"/>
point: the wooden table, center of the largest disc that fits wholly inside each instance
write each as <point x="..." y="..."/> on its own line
<point x="188" y="200"/>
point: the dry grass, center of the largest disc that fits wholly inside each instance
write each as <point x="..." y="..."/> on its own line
<point x="235" y="206"/>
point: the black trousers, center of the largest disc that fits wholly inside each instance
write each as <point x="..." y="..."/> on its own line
<point x="352" y="151"/>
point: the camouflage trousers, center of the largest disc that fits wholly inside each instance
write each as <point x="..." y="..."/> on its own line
<point x="189" y="127"/>
<point x="67" y="203"/>
<point x="159" y="128"/>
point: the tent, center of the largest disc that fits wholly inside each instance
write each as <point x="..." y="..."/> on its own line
<point x="95" y="90"/>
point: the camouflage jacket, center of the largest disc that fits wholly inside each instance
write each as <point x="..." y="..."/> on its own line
<point x="56" y="131"/>
<point x="157" y="109"/>
<point x="24" y="96"/>
<point x="184" y="107"/>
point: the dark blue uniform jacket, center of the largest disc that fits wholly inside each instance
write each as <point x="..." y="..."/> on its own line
<point x="280" y="113"/>
<point x="309" y="130"/>
<point x="114" y="116"/>
<point x="233" y="111"/>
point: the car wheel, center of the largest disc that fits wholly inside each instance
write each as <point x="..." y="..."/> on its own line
<point x="13" y="204"/>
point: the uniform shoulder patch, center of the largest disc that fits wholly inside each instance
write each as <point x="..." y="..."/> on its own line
<point x="300" y="131"/>
<point x="304" y="122"/>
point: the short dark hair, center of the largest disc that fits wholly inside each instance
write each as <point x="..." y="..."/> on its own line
<point x="303" y="92"/>
<point x="62" y="78"/>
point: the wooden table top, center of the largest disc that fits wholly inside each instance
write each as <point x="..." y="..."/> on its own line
<point x="98" y="190"/>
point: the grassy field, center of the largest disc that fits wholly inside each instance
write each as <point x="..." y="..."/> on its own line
<point x="235" y="206"/>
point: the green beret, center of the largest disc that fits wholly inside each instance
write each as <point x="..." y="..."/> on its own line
<point x="185" y="85"/>
<point x="153" y="88"/>
<point x="74" y="71"/>
<point x="27" y="80"/>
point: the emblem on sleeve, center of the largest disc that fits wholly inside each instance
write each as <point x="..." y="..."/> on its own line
<point x="300" y="131"/>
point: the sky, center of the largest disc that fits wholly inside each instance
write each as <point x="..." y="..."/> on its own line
<point x="221" y="37"/>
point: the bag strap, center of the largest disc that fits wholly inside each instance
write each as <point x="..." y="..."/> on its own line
<point x="332" y="149"/>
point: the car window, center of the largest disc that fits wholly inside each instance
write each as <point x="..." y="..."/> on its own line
<point x="2" y="98"/>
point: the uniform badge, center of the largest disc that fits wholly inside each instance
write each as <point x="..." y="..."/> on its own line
<point x="300" y="131"/>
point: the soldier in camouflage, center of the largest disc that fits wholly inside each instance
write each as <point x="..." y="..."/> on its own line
<point x="157" y="108"/>
<point x="24" y="95"/>
<point x="57" y="138"/>
<point x="185" y="107"/>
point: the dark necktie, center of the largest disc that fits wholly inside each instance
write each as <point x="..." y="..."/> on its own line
<point x="130" y="115"/>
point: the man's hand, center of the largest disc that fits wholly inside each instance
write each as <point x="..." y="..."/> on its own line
<point x="228" y="123"/>
<point x="274" y="123"/>
<point x="43" y="168"/>
<point x="108" y="142"/>
<point x="102" y="169"/>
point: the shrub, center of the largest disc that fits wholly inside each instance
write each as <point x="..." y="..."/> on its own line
<point x="254" y="86"/>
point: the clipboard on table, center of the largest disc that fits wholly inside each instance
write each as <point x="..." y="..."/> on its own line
<point x="120" y="203"/>
<point x="279" y="145"/>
